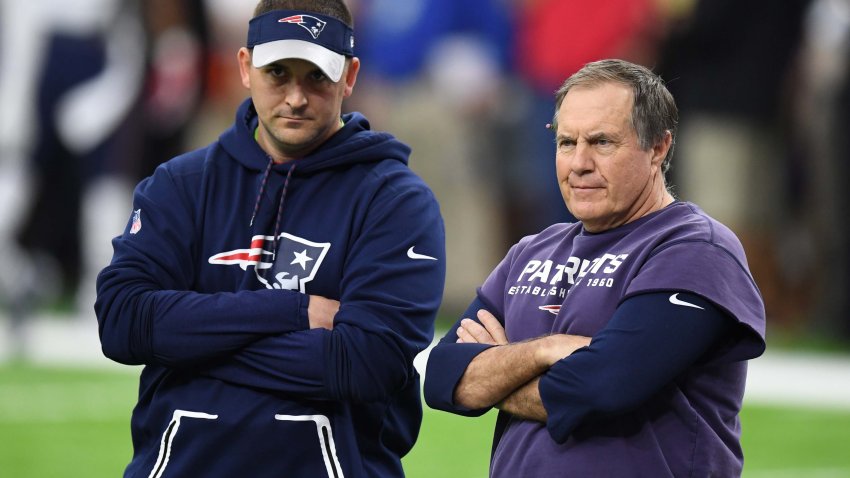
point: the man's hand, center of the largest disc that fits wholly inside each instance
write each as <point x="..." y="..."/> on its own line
<point x="507" y="375"/>
<point x="489" y="331"/>
<point x="321" y="312"/>
<point x="557" y="346"/>
<point x="525" y="402"/>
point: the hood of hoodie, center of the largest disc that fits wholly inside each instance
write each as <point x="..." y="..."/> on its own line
<point x="355" y="142"/>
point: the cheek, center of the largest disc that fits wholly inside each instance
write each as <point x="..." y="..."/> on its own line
<point x="562" y="169"/>
<point x="629" y="180"/>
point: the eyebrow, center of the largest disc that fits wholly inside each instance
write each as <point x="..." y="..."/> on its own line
<point x="592" y="138"/>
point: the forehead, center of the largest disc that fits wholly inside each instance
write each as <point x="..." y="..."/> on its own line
<point x="595" y="106"/>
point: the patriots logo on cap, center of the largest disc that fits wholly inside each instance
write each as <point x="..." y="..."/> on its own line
<point x="307" y="22"/>
<point x="291" y="267"/>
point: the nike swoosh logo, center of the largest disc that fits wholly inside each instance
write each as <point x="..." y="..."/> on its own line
<point x="414" y="255"/>
<point x="676" y="301"/>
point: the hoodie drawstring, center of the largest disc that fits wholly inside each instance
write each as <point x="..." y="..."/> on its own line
<point x="280" y="210"/>
<point x="263" y="184"/>
<point x="262" y="189"/>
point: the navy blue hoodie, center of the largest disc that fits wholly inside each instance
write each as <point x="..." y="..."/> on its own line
<point x="208" y="288"/>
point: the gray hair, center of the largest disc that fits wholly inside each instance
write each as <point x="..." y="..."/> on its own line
<point x="654" y="110"/>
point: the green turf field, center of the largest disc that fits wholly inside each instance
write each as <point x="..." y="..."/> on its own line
<point x="75" y="423"/>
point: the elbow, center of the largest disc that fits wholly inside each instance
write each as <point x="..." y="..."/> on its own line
<point x="116" y="334"/>
<point x="367" y="367"/>
<point x="115" y="345"/>
<point x="119" y="355"/>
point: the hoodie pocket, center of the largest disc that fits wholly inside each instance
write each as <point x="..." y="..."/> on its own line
<point x="169" y="435"/>
<point x="201" y="444"/>
<point x="320" y="426"/>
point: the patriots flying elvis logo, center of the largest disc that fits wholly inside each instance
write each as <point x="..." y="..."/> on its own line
<point x="296" y="263"/>
<point x="307" y="22"/>
<point x="552" y="309"/>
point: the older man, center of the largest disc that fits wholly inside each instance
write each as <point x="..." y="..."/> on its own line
<point x="614" y="346"/>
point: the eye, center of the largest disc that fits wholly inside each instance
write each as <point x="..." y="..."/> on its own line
<point x="604" y="143"/>
<point x="565" y="143"/>
<point x="318" y="76"/>
<point x="276" y="71"/>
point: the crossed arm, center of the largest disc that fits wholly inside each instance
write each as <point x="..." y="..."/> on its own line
<point x="507" y="376"/>
<point x="561" y="379"/>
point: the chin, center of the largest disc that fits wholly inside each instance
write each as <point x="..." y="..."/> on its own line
<point x="582" y="210"/>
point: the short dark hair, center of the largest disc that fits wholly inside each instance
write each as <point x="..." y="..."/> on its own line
<point x="654" y="110"/>
<point x="332" y="8"/>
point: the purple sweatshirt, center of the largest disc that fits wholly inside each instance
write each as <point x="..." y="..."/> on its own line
<point x="566" y="280"/>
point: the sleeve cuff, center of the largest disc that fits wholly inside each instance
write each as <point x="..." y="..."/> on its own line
<point x="303" y="316"/>
<point x="446" y="365"/>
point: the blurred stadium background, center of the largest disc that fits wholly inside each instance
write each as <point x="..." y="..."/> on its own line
<point x="95" y="93"/>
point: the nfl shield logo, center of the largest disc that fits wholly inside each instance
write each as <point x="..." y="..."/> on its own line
<point x="137" y="221"/>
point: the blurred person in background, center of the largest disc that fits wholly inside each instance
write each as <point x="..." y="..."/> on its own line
<point x="821" y="115"/>
<point x="96" y="93"/>
<point x="731" y="66"/>
<point x="553" y="39"/>
<point x="443" y="75"/>
<point x="70" y="72"/>
<point x="177" y="60"/>
<point x="436" y="75"/>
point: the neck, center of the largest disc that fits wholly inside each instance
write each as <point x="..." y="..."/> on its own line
<point x="659" y="198"/>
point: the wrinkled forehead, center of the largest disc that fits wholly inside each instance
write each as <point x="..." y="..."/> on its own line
<point x="585" y="105"/>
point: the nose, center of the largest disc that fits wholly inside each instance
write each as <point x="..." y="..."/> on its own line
<point x="295" y="97"/>
<point x="581" y="160"/>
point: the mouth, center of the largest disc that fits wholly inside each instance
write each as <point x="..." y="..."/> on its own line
<point x="584" y="187"/>
<point x="293" y="122"/>
<point x="585" y="191"/>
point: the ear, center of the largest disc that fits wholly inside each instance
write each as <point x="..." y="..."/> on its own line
<point x="659" y="151"/>
<point x="244" y="59"/>
<point x="350" y="76"/>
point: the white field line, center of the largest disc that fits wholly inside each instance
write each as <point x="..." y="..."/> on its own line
<point x="797" y="379"/>
<point x="778" y="377"/>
